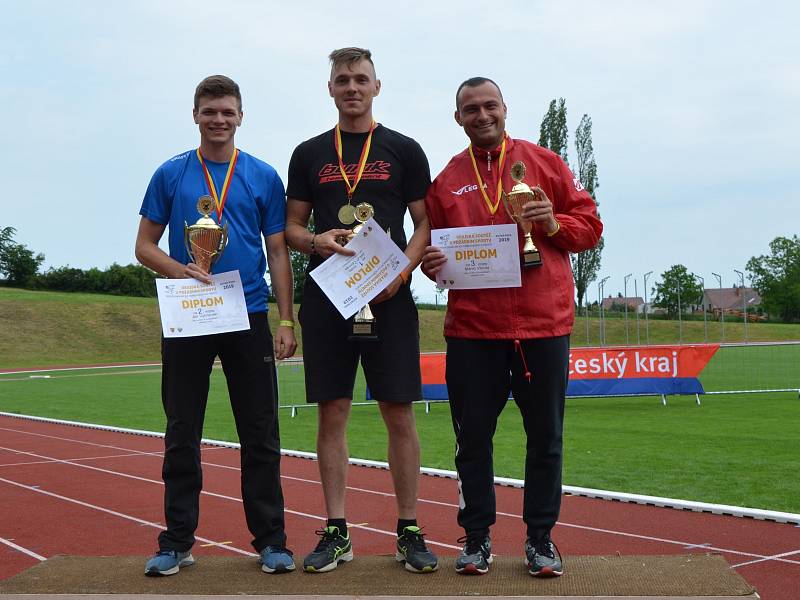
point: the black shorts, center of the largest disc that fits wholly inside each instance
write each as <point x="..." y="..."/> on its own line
<point x="391" y="364"/>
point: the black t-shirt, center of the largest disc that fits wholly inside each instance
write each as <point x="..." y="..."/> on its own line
<point x="395" y="174"/>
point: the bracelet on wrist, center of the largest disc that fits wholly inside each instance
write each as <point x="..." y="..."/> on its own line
<point x="286" y="323"/>
<point x="313" y="245"/>
<point x="556" y="230"/>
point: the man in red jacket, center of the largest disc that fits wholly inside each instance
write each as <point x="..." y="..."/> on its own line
<point x="509" y="339"/>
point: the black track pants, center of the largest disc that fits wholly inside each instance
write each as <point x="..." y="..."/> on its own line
<point x="480" y="374"/>
<point x="248" y="362"/>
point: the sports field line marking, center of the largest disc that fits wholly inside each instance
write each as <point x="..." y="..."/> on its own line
<point x="130" y="451"/>
<point x="54" y="460"/>
<point x="759" y="557"/>
<point x="694" y="506"/>
<point x="87" y="368"/>
<point x="87" y="458"/>
<point x="158" y="526"/>
<point x="30" y="553"/>
<point x="766" y="558"/>
<point x="50" y="377"/>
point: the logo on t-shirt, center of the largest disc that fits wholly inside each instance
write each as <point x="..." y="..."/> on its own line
<point x="467" y="188"/>
<point x="578" y="184"/>
<point x="179" y="157"/>
<point x="377" y="170"/>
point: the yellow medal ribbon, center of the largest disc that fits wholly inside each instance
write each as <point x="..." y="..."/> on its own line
<point x="492" y="207"/>
<point x="361" y="163"/>
<point x="219" y="199"/>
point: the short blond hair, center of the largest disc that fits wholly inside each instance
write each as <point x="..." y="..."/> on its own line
<point x="350" y="56"/>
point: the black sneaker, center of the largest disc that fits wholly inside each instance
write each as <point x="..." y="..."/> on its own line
<point x="411" y="549"/>
<point x="332" y="549"/>
<point x="543" y="558"/>
<point x="476" y="556"/>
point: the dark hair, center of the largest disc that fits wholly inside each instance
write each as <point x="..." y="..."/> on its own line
<point x="217" y="86"/>
<point x="350" y="56"/>
<point x="473" y="82"/>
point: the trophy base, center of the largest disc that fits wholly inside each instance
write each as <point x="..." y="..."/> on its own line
<point x="531" y="258"/>
<point x="364" y="331"/>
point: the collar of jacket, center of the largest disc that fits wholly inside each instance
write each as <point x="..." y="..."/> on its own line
<point x="495" y="152"/>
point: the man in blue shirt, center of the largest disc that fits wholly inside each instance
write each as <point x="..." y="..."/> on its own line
<point x="249" y="198"/>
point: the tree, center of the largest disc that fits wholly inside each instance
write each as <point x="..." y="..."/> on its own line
<point x="777" y="278"/>
<point x="678" y="287"/>
<point x="586" y="264"/>
<point x="17" y="262"/>
<point x="553" y="133"/>
<point x="299" y="261"/>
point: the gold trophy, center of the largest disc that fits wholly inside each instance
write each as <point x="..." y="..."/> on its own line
<point x="205" y="240"/>
<point x="364" y="327"/>
<point x="520" y="195"/>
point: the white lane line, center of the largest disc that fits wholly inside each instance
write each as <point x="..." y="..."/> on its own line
<point x="773" y="557"/>
<point x="30" y="553"/>
<point x="206" y="493"/>
<point x="759" y="557"/>
<point x="74" y="441"/>
<point x="158" y="526"/>
<point x="79" y="459"/>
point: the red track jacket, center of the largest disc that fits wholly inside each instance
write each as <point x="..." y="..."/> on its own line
<point x="544" y="305"/>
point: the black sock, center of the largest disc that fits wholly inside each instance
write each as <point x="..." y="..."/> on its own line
<point x="403" y="523"/>
<point x="340" y="524"/>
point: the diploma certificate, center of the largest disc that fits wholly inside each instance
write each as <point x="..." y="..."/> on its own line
<point x="350" y="282"/>
<point x="478" y="257"/>
<point x="190" y="308"/>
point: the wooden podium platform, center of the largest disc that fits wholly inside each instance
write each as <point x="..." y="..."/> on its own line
<point x="678" y="577"/>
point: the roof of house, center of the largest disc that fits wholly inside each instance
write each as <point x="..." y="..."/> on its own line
<point x="732" y="298"/>
<point x="632" y="301"/>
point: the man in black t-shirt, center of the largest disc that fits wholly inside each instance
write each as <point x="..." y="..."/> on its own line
<point x="359" y="162"/>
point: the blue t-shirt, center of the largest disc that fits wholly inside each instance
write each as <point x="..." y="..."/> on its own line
<point x="255" y="206"/>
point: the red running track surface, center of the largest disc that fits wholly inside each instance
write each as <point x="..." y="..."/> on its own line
<point x="81" y="491"/>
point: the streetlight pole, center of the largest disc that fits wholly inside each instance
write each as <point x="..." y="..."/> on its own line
<point x="680" y="321"/>
<point x="625" y="291"/>
<point x="646" y="309"/>
<point x="744" y="303"/>
<point x="602" y="312"/>
<point x="636" y="312"/>
<point x="703" y="300"/>
<point x="721" y="308"/>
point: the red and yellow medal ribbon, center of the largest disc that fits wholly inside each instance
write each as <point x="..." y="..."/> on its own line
<point x="362" y="162"/>
<point x="219" y="199"/>
<point x="492" y="207"/>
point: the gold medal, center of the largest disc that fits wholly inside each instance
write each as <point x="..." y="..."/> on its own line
<point x="347" y="214"/>
<point x="364" y="212"/>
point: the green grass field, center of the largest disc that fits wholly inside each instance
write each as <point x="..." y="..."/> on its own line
<point x="738" y="449"/>
<point x="50" y="328"/>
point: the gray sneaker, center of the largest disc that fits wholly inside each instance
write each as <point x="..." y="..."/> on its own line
<point x="168" y="562"/>
<point x="543" y="558"/>
<point x="476" y="556"/>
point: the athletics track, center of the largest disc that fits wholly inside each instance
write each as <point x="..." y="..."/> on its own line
<point x="82" y="491"/>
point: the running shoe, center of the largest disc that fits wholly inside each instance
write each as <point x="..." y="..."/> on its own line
<point x="168" y="562"/>
<point x="332" y="549"/>
<point x="412" y="550"/>
<point x="276" y="559"/>
<point x="476" y="556"/>
<point x="543" y="558"/>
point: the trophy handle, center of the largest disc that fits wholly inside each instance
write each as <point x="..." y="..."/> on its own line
<point x="506" y="203"/>
<point x="186" y="241"/>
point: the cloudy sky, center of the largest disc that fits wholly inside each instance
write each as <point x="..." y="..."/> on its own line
<point x="694" y="107"/>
